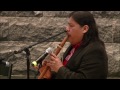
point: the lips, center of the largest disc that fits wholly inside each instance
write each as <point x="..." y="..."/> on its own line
<point x="68" y="34"/>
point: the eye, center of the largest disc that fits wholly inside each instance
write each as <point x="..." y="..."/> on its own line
<point x="70" y="25"/>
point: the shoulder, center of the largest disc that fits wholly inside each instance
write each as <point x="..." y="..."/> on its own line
<point x="95" y="52"/>
<point x="95" y="47"/>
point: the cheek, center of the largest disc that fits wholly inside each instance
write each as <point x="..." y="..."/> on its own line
<point x="78" y="35"/>
<point x="73" y="36"/>
<point x="75" y="33"/>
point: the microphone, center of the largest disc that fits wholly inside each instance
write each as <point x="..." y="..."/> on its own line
<point x="7" y="64"/>
<point x="41" y="58"/>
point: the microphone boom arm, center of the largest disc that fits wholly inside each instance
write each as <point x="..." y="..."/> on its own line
<point x="30" y="46"/>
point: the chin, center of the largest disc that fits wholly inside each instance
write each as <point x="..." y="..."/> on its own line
<point x="70" y="40"/>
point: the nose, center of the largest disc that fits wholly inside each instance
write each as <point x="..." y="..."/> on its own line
<point x="67" y="29"/>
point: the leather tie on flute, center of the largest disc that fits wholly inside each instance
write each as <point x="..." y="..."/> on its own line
<point x="45" y="70"/>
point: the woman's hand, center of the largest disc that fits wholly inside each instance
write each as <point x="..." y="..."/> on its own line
<point x="54" y="63"/>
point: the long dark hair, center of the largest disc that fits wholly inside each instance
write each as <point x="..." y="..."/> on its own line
<point x="86" y="18"/>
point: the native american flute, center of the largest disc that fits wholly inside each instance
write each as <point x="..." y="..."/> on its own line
<point x="44" y="69"/>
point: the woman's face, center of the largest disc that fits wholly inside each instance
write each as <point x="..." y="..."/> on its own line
<point x="75" y="31"/>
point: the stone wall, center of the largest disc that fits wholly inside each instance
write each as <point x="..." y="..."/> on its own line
<point x="19" y="29"/>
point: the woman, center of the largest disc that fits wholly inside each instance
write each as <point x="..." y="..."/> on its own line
<point x="86" y="57"/>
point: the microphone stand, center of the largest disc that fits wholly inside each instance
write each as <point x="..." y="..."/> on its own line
<point x="26" y="49"/>
<point x="28" y="61"/>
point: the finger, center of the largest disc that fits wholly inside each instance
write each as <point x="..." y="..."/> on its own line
<point x="50" y="63"/>
<point x="52" y="57"/>
<point x="52" y="54"/>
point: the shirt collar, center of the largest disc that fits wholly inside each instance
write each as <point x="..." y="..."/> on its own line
<point x="76" y="45"/>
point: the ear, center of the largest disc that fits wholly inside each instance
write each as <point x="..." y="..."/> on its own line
<point x="85" y="28"/>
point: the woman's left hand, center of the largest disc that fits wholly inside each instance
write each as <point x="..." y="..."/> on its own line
<point x="54" y="63"/>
